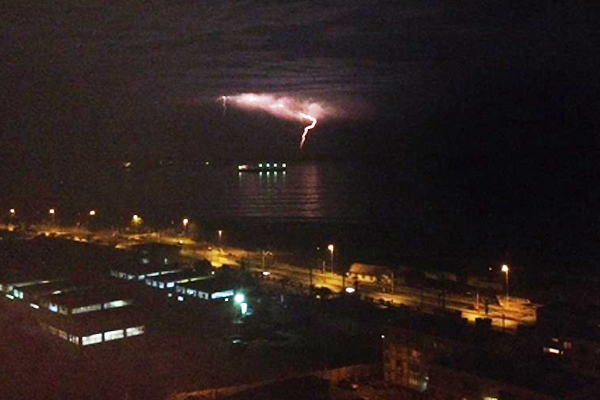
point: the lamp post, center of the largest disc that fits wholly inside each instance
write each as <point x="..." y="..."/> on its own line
<point x="52" y="213"/>
<point x="220" y="236"/>
<point x="136" y="220"/>
<point x="505" y="270"/>
<point x="185" y="224"/>
<point x="331" y="248"/>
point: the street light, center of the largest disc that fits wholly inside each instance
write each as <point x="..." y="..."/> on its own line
<point x="505" y="270"/>
<point x="13" y="211"/>
<point x="185" y="223"/>
<point x="330" y="248"/>
<point x="136" y="220"/>
<point x="92" y="213"/>
<point x="52" y="213"/>
<point x="220" y="235"/>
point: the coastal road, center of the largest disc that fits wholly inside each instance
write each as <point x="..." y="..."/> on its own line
<point x="518" y="311"/>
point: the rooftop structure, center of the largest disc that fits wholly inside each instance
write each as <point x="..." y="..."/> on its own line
<point x="87" y="300"/>
<point x="92" y="328"/>
<point x="170" y="280"/>
<point x="207" y="289"/>
<point x="138" y="272"/>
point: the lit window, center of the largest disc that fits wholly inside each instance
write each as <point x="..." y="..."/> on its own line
<point x="53" y="307"/>
<point x="134" y="331"/>
<point x="74" y="339"/>
<point x="114" y="335"/>
<point x="92" y="339"/>
<point x="490" y="398"/>
<point x="217" y="295"/>
<point x="63" y="335"/>
<point x="161" y="285"/>
<point x="551" y="350"/>
<point x="85" y="309"/>
<point x="170" y="284"/>
<point x="568" y="345"/>
<point x="117" y="304"/>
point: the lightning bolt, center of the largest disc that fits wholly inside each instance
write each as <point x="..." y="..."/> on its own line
<point x="307" y="128"/>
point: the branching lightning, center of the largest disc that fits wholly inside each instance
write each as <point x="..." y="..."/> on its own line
<point x="286" y="107"/>
<point x="307" y="128"/>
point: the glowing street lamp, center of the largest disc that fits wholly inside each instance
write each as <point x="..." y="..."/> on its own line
<point x="92" y="213"/>
<point x="331" y="248"/>
<point x="220" y="235"/>
<point x="239" y="298"/>
<point x="185" y="224"/>
<point x="136" y="220"/>
<point x="505" y="270"/>
<point x="52" y="213"/>
<point x="13" y="211"/>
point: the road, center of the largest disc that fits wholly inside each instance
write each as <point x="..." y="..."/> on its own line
<point x="518" y="311"/>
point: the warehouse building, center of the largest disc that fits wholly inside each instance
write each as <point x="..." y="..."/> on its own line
<point x="170" y="280"/>
<point x="86" y="300"/>
<point x="207" y="289"/>
<point x="93" y="328"/>
<point x="139" y="272"/>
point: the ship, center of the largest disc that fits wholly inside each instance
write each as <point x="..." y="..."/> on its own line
<point x="262" y="167"/>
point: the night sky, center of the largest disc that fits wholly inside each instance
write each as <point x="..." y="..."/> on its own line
<point x="496" y="102"/>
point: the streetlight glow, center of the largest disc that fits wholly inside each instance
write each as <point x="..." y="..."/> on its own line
<point x="12" y="211"/>
<point x="505" y="270"/>
<point x="330" y="248"/>
<point x="92" y="213"/>
<point x="239" y="298"/>
<point x="51" y="211"/>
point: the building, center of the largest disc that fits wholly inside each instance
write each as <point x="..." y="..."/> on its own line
<point x="482" y="375"/>
<point x="139" y="272"/>
<point x="170" y="280"/>
<point x="33" y="292"/>
<point x="369" y="273"/>
<point x="88" y="299"/>
<point x="571" y="332"/>
<point x="93" y="328"/>
<point x="212" y="289"/>
<point x="413" y="344"/>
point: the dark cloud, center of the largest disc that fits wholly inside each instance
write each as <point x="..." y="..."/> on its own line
<point x="82" y="75"/>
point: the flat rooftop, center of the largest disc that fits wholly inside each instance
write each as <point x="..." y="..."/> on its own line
<point x="95" y="322"/>
<point x="532" y="373"/>
<point x="91" y="295"/>
<point x="42" y="289"/>
<point x="145" y="269"/>
<point x="180" y="276"/>
<point x="210" y="285"/>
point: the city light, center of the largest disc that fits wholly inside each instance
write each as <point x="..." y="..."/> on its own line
<point x="185" y="222"/>
<point x="505" y="270"/>
<point x="12" y="211"/>
<point x="350" y="290"/>
<point x="137" y="220"/>
<point x="92" y="213"/>
<point x="51" y="211"/>
<point x="239" y="298"/>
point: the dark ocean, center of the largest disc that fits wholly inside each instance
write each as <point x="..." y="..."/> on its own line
<point x="384" y="212"/>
